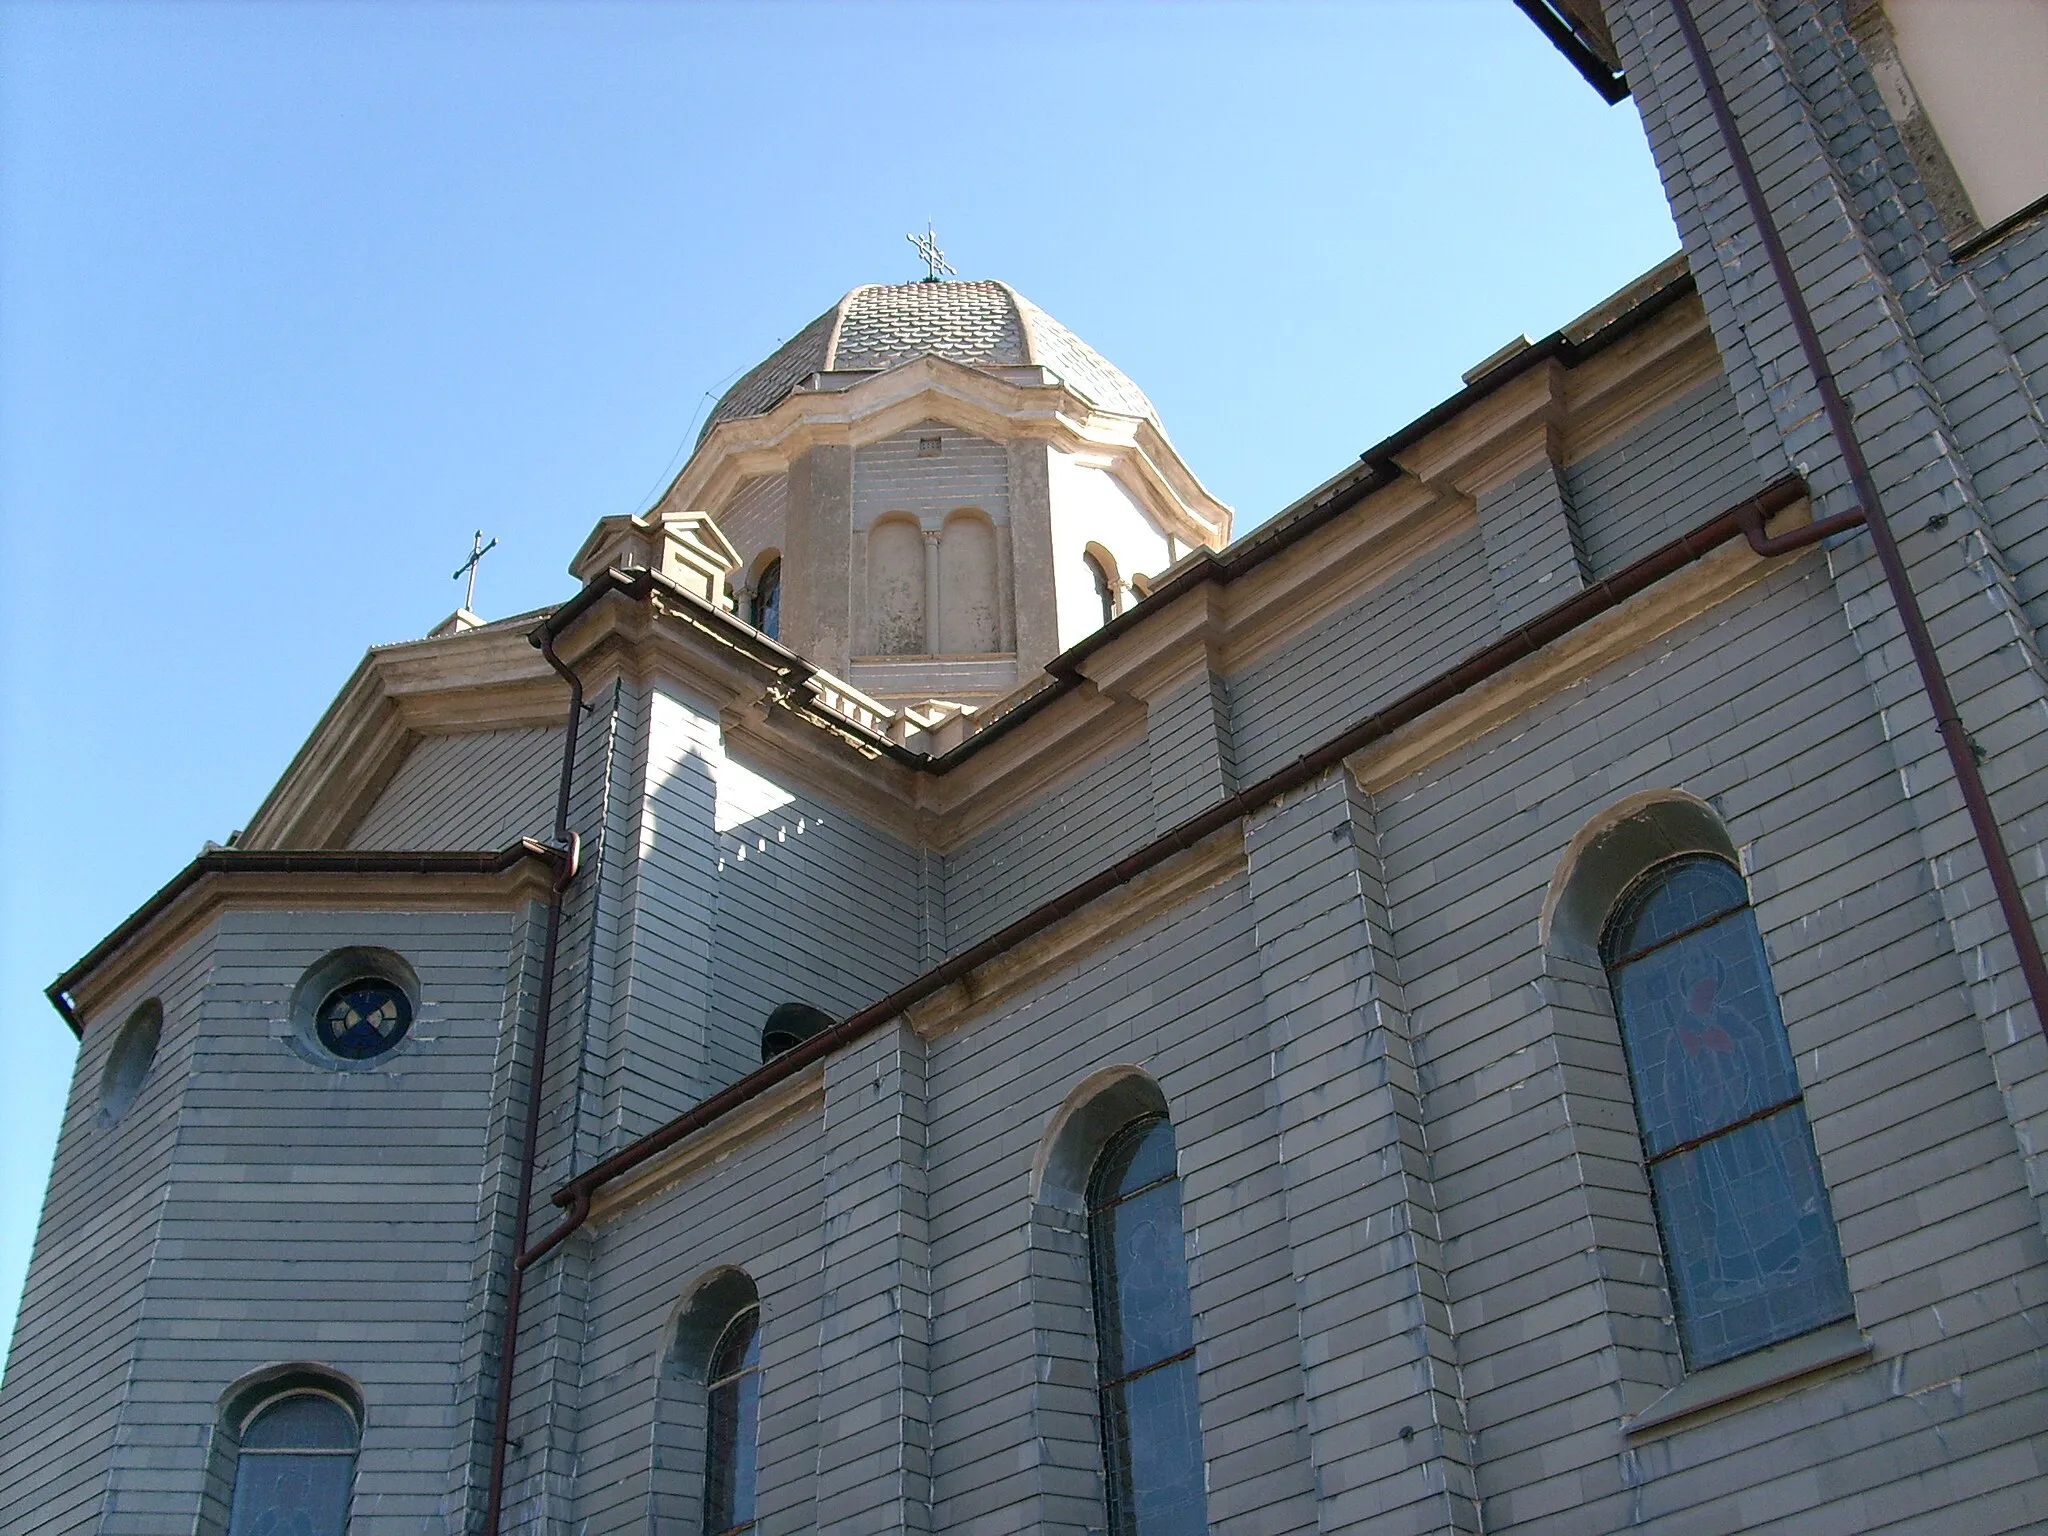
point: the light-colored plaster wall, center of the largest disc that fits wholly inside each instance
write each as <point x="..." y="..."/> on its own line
<point x="1090" y="505"/>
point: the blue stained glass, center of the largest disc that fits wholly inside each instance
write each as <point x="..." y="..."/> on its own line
<point x="1750" y="1239"/>
<point x="363" y="1019"/>
<point x="1706" y="1044"/>
<point x="731" y="1454"/>
<point x="305" y="1421"/>
<point x="1151" y="1421"/>
<point x="1156" y="1470"/>
<point x="1141" y="1158"/>
<point x="291" y="1494"/>
<point x="1146" y="1272"/>
<point x="1675" y="898"/>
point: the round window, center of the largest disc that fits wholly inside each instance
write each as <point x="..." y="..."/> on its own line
<point x="363" y="1018"/>
<point x="128" y="1063"/>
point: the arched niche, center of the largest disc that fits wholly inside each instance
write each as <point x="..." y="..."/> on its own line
<point x="682" y="1399"/>
<point x="896" y="587"/>
<point x="1602" y="861"/>
<point x="1098" y="1107"/>
<point x="1612" y="851"/>
<point x="251" y="1398"/>
<point x="970" y="618"/>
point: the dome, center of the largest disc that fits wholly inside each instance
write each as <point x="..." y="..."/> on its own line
<point x="982" y="324"/>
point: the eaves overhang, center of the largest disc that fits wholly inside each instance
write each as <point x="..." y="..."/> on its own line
<point x="312" y="877"/>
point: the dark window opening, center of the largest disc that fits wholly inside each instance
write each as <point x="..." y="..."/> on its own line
<point x="1105" y="589"/>
<point x="790" y="1026"/>
<point x="768" y="601"/>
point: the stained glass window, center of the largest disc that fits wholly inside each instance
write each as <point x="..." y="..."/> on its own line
<point x="768" y="601"/>
<point x="1749" y="1239"/>
<point x="292" y="1473"/>
<point x="364" y="1018"/>
<point x="735" y="1421"/>
<point x="1151" y="1425"/>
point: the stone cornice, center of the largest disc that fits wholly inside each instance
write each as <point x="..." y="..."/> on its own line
<point x="222" y="878"/>
<point x="932" y="388"/>
<point x="1219" y="610"/>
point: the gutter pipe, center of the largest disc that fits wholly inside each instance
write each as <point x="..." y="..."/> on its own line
<point x="1744" y="520"/>
<point x="1962" y="752"/>
<point x="508" y="1332"/>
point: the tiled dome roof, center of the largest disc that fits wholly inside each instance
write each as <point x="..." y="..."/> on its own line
<point x="880" y="325"/>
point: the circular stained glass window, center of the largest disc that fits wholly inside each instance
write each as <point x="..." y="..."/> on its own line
<point x="365" y="1018"/>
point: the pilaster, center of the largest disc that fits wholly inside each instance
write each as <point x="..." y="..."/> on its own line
<point x="1031" y="557"/>
<point x="1533" y="556"/>
<point x="817" y="564"/>
<point x="874" y="1390"/>
<point x="1386" y="1421"/>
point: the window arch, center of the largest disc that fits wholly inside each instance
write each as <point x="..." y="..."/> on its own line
<point x="294" y="1450"/>
<point x="1749" y="1239"/>
<point x="1150" y="1417"/>
<point x="790" y="1025"/>
<point x="707" y="1417"/>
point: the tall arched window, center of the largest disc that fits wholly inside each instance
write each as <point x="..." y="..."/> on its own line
<point x="1151" y="1423"/>
<point x="294" y="1464"/>
<point x="768" y="601"/>
<point x="1749" y="1239"/>
<point x="1105" y="585"/>
<point x="734" y="1390"/>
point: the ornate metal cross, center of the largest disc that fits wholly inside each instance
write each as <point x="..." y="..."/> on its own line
<point x="477" y="551"/>
<point x="936" y="268"/>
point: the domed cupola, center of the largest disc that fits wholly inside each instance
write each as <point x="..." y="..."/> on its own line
<point x="935" y="487"/>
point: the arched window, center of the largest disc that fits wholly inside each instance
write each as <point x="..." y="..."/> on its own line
<point x="1151" y="1423"/>
<point x="768" y="600"/>
<point x="1105" y="585"/>
<point x="790" y="1025"/>
<point x="734" y="1400"/>
<point x="294" y="1463"/>
<point x="1749" y="1239"/>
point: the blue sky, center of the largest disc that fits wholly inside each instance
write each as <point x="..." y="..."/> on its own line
<point x="293" y="298"/>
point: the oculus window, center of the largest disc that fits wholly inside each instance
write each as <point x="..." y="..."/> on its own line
<point x="1749" y="1239"/>
<point x="294" y="1467"/>
<point x="1151" y="1423"/>
<point x="733" y="1427"/>
<point x="363" y="1018"/>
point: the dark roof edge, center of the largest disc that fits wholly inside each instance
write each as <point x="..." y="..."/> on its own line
<point x="304" y="861"/>
<point x="1591" y="333"/>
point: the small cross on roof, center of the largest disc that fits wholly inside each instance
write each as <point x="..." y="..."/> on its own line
<point x="936" y="268"/>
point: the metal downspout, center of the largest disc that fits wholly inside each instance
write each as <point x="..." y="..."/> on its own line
<point x="1962" y="755"/>
<point x="508" y="1335"/>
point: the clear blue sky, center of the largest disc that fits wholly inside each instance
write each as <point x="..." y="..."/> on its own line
<point x="292" y="298"/>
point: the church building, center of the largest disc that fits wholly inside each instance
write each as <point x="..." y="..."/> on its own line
<point x="938" y="992"/>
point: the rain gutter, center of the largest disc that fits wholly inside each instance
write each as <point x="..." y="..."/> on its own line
<point x="1744" y="520"/>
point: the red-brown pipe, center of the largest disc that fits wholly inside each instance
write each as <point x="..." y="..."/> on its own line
<point x="508" y="1333"/>
<point x="1955" y="740"/>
